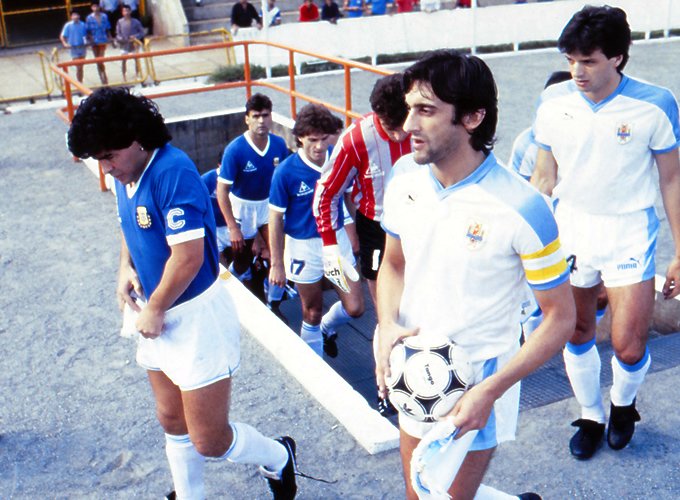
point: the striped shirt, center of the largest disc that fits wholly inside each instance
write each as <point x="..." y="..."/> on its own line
<point x="363" y="156"/>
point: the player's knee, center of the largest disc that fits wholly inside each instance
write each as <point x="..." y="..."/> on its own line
<point x="213" y="446"/>
<point x="312" y="315"/>
<point x="172" y="423"/>
<point x="355" y="309"/>
<point x="629" y="354"/>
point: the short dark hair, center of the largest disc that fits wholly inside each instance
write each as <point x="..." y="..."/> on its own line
<point x="314" y="119"/>
<point x="387" y="100"/>
<point x="464" y="81"/>
<point x="605" y="28"/>
<point x="258" y="102"/>
<point x="113" y="118"/>
<point x="557" y="77"/>
<point x="125" y="6"/>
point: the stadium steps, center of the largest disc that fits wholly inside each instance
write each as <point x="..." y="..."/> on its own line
<point x="547" y="385"/>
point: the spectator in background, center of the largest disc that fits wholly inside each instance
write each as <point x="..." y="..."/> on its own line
<point x="73" y="36"/>
<point x="404" y="6"/>
<point x="330" y="11"/>
<point x="464" y="4"/>
<point x="354" y="8"/>
<point x="112" y="10"/>
<point x="134" y="7"/>
<point x="242" y="16"/>
<point x="381" y="7"/>
<point x="308" y="12"/>
<point x="98" y="34"/>
<point x="272" y="17"/>
<point x="129" y="31"/>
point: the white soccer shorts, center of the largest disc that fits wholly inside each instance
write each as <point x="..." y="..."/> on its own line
<point x="250" y="215"/>
<point x="303" y="259"/>
<point x="199" y="344"/>
<point x="616" y="249"/>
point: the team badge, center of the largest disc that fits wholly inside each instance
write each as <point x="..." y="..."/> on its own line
<point x="276" y="161"/>
<point x="475" y="235"/>
<point x="143" y="218"/>
<point x="624" y="133"/>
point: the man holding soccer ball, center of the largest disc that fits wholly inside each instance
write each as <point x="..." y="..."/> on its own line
<point x="464" y="235"/>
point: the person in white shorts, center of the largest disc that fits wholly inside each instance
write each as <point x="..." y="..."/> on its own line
<point x="600" y="137"/>
<point x="456" y="221"/>
<point x="293" y="227"/>
<point x="174" y="302"/>
<point x="243" y="184"/>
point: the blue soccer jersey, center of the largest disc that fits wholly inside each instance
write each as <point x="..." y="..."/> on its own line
<point x="292" y="193"/>
<point x="210" y="181"/>
<point x="168" y="205"/>
<point x="249" y="170"/>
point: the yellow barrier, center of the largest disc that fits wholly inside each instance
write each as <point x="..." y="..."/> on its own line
<point x="151" y="45"/>
<point x="48" y="79"/>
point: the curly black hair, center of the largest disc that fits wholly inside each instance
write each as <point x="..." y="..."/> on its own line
<point x="591" y="28"/>
<point x="113" y="118"/>
<point x="314" y="119"/>
<point x="464" y="81"/>
<point x="258" y="102"/>
<point x="387" y="101"/>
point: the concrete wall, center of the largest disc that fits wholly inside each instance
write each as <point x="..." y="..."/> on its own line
<point x="419" y="31"/>
<point x="168" y="17"/>
<point x="204" y="136"/>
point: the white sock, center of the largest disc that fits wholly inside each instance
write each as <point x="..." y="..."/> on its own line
<point x="485" y="492"/>
<point x="628" y="379"/>
<point x="334" y="318"/>
<point x="186" y="467"/>
<point x="583" y="364"/>
<point x="251" y="447"/>
<point x="312" y="335"/>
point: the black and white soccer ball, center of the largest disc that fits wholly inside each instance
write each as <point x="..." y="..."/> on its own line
<point x="428" y="376"/>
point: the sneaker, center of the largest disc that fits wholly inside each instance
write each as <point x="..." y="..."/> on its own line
<point x="284" y="487"/>
<point x="385" y="407"/>
<point x="330" y="344"/>
<point x="621" y="425"/>
<point x="587" y="440"/>
<point x="530" y="495"/>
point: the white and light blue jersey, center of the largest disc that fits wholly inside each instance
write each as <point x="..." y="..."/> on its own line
<point x="249" y="170"/>
<point x="292" y="194"/>
<point x="470" y="250"/>
<point x="168" y="205"/>
<point x="605" y="151"/>
<point x="523" y="155"/>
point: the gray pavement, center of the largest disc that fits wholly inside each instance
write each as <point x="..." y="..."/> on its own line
<point x="76" y="415"/>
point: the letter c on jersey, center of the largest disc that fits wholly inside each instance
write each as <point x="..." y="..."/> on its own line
<point x="173" y="222"/>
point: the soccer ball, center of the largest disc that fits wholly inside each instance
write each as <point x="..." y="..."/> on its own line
<point x="428" y="375"/>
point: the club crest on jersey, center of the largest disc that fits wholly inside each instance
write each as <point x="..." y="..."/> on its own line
<point x="304" y="189"/>
<point x="475" y="235"/>
<point x="624" y="133"/>
<point x="250" y="167"/>
<point x="143" y="218"/>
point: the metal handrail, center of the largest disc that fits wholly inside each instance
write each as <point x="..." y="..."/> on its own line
<point x="67" y="113"/>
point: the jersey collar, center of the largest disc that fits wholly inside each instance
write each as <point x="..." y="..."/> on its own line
<point x="477" y="175"/>
<point x="595" y="107"/>
<point x="131" y="190"/>
<point x="308" y="162"/>
<point x="255" y="148"/>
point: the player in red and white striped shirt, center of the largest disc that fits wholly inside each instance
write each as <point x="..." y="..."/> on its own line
<point x="362" y="159"/>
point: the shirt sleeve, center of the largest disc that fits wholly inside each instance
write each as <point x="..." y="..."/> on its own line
<point x="538" y="245"/>
<point x="228" y="168"/>
<point x="184" y="201"/>
<point x="666" y="136"/>
<point x="278" y="195"/>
